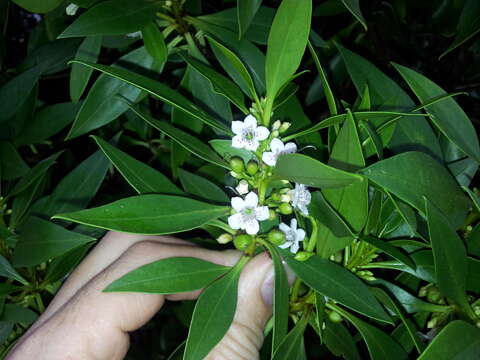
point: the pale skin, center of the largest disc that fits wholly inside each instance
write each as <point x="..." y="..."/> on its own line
<point x="82" y="322"/>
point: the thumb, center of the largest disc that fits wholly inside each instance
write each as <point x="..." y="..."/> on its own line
<point x="244" y="338"/>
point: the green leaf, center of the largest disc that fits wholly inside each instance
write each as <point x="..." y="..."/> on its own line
<point x="160" y="91"/>
<point x="339" y="341"/>
<point x="457" y="341"/>
<point x="103" y="103"/>
<point x="280" y="299"/>
<point x="7" y="270"/>
<point x="292" y="343"/>
<point x="220" y="84"/>
<point x="11" y="164"/>
<point x="474" y="197"/>
<point x="286" y="43"/>
<point x="143" y="214"/>
<point x="413" y="175"/>
<point x="42" y="240"/>
<point x="154" y="42"/>
<point x="18" y="314"/>
<point x="200" y="186"/>
<point x="468" y="25"/>
<point x="447" y="115"/>
<point x="354" y="7"/>
<point x="7" y="289"/>
<point x="21" y="202"/>
<point x="39" y="7"/>
<point x="246" y="10"/>
<point x="113" y="17"/>
<point x="390" y="250"/>
<point x="61" y="266"/>
<point x="189" y="142"/>
<point x="169" y="276"/>
<point x="213" y="314"/>
<point x="337" y="283"/>
<point x="140" y="176"/>
<point x="306" y="170"/>
<point x="380" y="345"/>
<point x="234" y="67"/>
<point x="80" y="75"/>
<point x="449" y="255"/>
<point x="226" y="151"/>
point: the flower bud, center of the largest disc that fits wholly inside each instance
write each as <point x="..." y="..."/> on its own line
<point x="285" y="209"/>
<point x="275" y="134"/>
<point x="303" y="255"/>
<point x="275" y="196"/>
<point x="276" y="237"/>
<point x="432" y="323"/>
<point x="242" y="187"/>
<point x="224" y="238"/>
<point x="286" y="198"/>
<point x="334" y="317"/>
<point x="252" y="167"/>
<point x="237" y="165"/>
<point x="423" y="291"/>
<point x="433" y="294"/>
<point x="285" y="126"/>
<point x="276" y="125"/>
<point x="242" y="242"/>
<point x="272" y="215"/>
<point x="476" y="309"/>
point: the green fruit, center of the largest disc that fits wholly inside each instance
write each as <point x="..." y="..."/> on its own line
<point x="237" y="165"/>
<point x="433" y="294"/>
<point x="303" y="255"/>
<point x="242" y="242"/>
<point x="335" y="317"/>
<point x="276" y="237"/>
<point x="285" y="209"/>
<point x="252" y="167"/>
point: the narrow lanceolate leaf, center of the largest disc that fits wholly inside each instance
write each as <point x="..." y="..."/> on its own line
<point x="390" y="250"/>
<point x="7" y="270"/>
<point x="286" y="43"/>
<point x="141" y="177"/>
<point x="169" y="276"/>
<point x="202" y="187"/>
<point x="213" y="314"/>
<point x="38" y="7"/>
<point x="457" y="341"/>
<point x="221" y="85"/>
<point x="189" y="142"/>
<point x="354" y="7"/>
<point x="149" y="214"/>
<point x="292" y="344"/>
<point x="449" y="255"/>
<point x="41" y="240"/>
<point x="154" y="42"/>
<point x="380" y="345"/>
<point x="280" y="299"/>
<point x="413" y="175"/>
<point x="161" y="91"/>
<point x="113" y="17"/>
<point x="88" y="51"/>
<point x="246" y="10"/>
<point x="311" y="172"/>
<point x="447" y="115"/>
<point x="337" y="283"/>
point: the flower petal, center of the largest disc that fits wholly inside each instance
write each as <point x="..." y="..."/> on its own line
<point x="290" y="148"/>
<point x="251" y="145"/>
<point x="238" y="204"/>
<point x="250" y="121"/>
<point x="293" y="224"/>
<point x="237" y="127"/>
<point x="251" y="200"/>
<point x="235" y="221"/>
<point x="262" y="213"/>
<point x="252" y="227"/>
<point x="261" y="133"/>
<point x="238" y="142"/>
<point x="300" y="235"/>
<point x="269" y="158"/>
<point x="276" y="145"/>
<point x="303" y="209"/>
<point x="285" y="245"/>
<point x="284" y="227"/>
<point x="294" y="248"/>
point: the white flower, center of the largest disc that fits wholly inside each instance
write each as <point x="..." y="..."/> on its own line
<point x="71" y="9"/>
<point x="301" y="197"/>
<point x="247" y="134"/>
<point x="248" y="214"/>
<point x="242" y="187"/>
<point x="278" y="148"/>
<point x="292" y="236"/>
<point x="136" y="34"/>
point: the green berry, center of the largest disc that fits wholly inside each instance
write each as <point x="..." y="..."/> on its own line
<point x="276" y="237"/>
<point x="242" y="242"/>
<point x="334" y="317"/>
<point x="252" y="167"/>
<point x="237" y="165"/>
<point x="285" y="209"/>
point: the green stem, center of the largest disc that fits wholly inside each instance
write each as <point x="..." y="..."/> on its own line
<point x="313" y="238"/>
<point x="295" y="289"/>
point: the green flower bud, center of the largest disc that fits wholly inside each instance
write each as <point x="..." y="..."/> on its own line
<point x="303" y="255"/>
<point x="335" y="317"/>
<point x="276" y="237"/>
<point x="272" y="215"/>
<point x="476" y="309"/>
<point x="224" y="238"/>
<point x="285" y="209"/>
<point x="242" y="242"/>
<point x="237" y="165"/>
<point x="285" y="126"/>
<point x="275" y="196"/>
<point x="433" y="294"/>
<point x="252" y="167"/>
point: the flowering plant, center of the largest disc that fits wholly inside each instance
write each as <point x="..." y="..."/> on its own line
<point x="370" y="205"/>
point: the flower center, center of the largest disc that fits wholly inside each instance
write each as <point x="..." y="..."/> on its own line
<point x="249" y="134"/>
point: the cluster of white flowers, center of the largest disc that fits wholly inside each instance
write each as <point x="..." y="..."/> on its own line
<point x="247" y="211"/>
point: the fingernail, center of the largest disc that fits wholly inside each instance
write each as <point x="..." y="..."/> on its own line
<point x="268" y="285"/>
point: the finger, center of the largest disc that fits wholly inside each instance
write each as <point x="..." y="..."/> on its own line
<point x="244" y="338"/>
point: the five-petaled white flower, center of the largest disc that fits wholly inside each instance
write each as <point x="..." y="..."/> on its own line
<point x="247" y="134"/>
<point x="301" y="197"/>
<point x="71" y="9"/>
<point x="248" y="214"/>
<point x="292" y="236"/>
<point x="278" y="148"/>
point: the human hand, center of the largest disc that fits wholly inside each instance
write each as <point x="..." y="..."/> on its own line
<point x="82" y="322"/>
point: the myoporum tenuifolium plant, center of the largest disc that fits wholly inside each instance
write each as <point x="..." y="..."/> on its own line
<point x="370" y="206"/>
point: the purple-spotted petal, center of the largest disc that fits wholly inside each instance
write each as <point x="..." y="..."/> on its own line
<point x="277" y="145"/>
<point x="251" y="200"/>
<point x="262" y="133"/>
<point x="252" y="227"/>
<point x="269" y="158"/>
